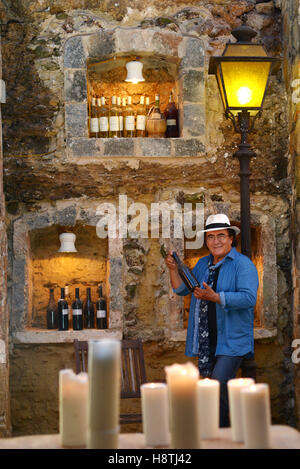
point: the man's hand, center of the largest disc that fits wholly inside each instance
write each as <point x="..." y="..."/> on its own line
<point x="170" y="262"/>
<point x="207" y="294"/>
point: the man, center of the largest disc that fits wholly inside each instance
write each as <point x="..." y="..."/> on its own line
<point x="220" y="326"/>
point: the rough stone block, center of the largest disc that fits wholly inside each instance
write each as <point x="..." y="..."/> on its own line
<point x="35" y="221"/>
<point x="188" y="147"/>
<point x="84" y="147"/>
<point x="166" y="43"/>
<point x="193" y="86"/>
<point x="155" y="146"/>
<point x="66" y="217"/>
<point x="76" y="120"/>
<point x="100" y="44"/>
<point x="17" y="319"/>
<point x="74" y="56"/>
<point x="134" y="40"/>
<point x="194" y="120"/>
<point x="115" y="281"/>
<point x="75" y="86"/>
<point x="119" y="147"/>
<point x="194" y="53"/>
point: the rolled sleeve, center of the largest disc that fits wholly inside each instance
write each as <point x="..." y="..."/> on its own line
<point x="222" y="299"/>
<point x="182" y="290"/>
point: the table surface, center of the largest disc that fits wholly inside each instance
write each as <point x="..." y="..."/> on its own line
<point x="282" y="437"/>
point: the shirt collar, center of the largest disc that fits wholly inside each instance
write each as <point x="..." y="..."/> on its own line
<point x="230" y="255"/>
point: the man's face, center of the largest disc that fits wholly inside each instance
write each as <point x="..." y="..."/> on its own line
<point x="218" y="242"/>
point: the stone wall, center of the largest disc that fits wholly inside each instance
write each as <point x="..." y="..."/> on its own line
<point x="291" y="22"/>
<point x="5" y="426"/>
<point x="45" y="167"/>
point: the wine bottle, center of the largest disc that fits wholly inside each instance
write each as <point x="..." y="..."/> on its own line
<point x="141" y="118"/>
<point x="94" y="122"/>
<point x="129" y="123"/>
<point x="114" y="125"/>
<point x="88" y="311"/>
<point x="186" y="274"/>
<point x="171" y="113"/>
<point x="156" y="121"/>
<point x="77" y="312"/>
<point x="51" y="312"/>
<point x="63" y="312"/>
<point x="103" y="115"/>
<point x="101" y="319"/>
<point x="121" y="118"/>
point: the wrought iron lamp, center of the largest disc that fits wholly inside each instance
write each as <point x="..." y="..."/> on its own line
<point x="243" y="73"/>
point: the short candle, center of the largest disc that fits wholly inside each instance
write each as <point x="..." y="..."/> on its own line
<point x="155" y="414"/>
<point x="73" y="399"/>
<point x="235" y="407"/>
<point x="208" y="397"/>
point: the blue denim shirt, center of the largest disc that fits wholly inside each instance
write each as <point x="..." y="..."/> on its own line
<point x="237" y="286"/>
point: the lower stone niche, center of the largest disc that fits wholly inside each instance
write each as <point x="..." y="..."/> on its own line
<point x="49" y="268"/>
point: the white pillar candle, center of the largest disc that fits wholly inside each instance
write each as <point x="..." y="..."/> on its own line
<point x="235" y="407"/>
<point x="182" y="392"/>
<point x="208" y="396"/>
<point x="73" y="399"/>
<point x="155" y="414"/>
<point x="104" y="393"/>
<point x="256" y="416"/>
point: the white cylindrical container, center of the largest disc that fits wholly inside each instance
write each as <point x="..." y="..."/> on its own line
<point x="182" y="391"/>
<point x="208" y="397"/>
<point x="67" y="241"/>
<point x="155" y="413"/>
<point x="256" y="416"/>
<point x="73" y="400"/>
<point x="235" y="407"/>
<point x="104" y="393"/>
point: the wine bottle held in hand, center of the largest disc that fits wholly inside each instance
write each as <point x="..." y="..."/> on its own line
<point x="88" y="311"/>
<point x="77" y="312"/>
<point x="51" y="312"/>
<point x="185" y="273"/>
<point x="101" y="311"/>
<point x="63" y="312"/>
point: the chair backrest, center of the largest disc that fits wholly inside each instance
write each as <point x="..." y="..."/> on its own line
<point x="133" y="371"/>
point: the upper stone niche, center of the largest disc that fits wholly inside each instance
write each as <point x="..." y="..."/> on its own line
<point x="171" y="62"/>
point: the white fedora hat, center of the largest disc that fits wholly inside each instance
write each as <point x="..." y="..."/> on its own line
<point x="220" y="221"/>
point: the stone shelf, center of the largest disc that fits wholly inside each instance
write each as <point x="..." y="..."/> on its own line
<point x="135" y="147"/>
<point x="42" y="336"/>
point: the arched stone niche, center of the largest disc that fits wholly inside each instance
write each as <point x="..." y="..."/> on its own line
<point x="36" y="233"/>
<point x="188" y="55"/>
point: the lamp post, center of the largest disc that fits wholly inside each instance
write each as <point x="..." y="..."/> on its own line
<point x="243" y="73"/>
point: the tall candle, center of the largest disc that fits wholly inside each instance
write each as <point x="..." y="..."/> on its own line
<point x="155" y="414"/>
<point x="235" y="407"/>
<point x="256" y="416"/>
<point x="104" y="393"/>
<point x="182" y="392"/>
<point x="73" y="399"/>
<point x="208" y="396"/>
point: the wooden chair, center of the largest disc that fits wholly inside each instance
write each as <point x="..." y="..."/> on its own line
<point x="133" y="372"/>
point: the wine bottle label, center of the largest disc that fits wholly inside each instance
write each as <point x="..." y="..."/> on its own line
<point x="121" y="122"/>
<point x="65" y="312"/>
<point x="171" y="122"/>
<point x="141" y="122"/>
<point x="94" y="125"/>
<point x="77" y="312"/>
<point x="101" y="313"/>
<point x="114" y="123"/>
<point x="129" y="122"/>
<point x="103" y="121"/>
